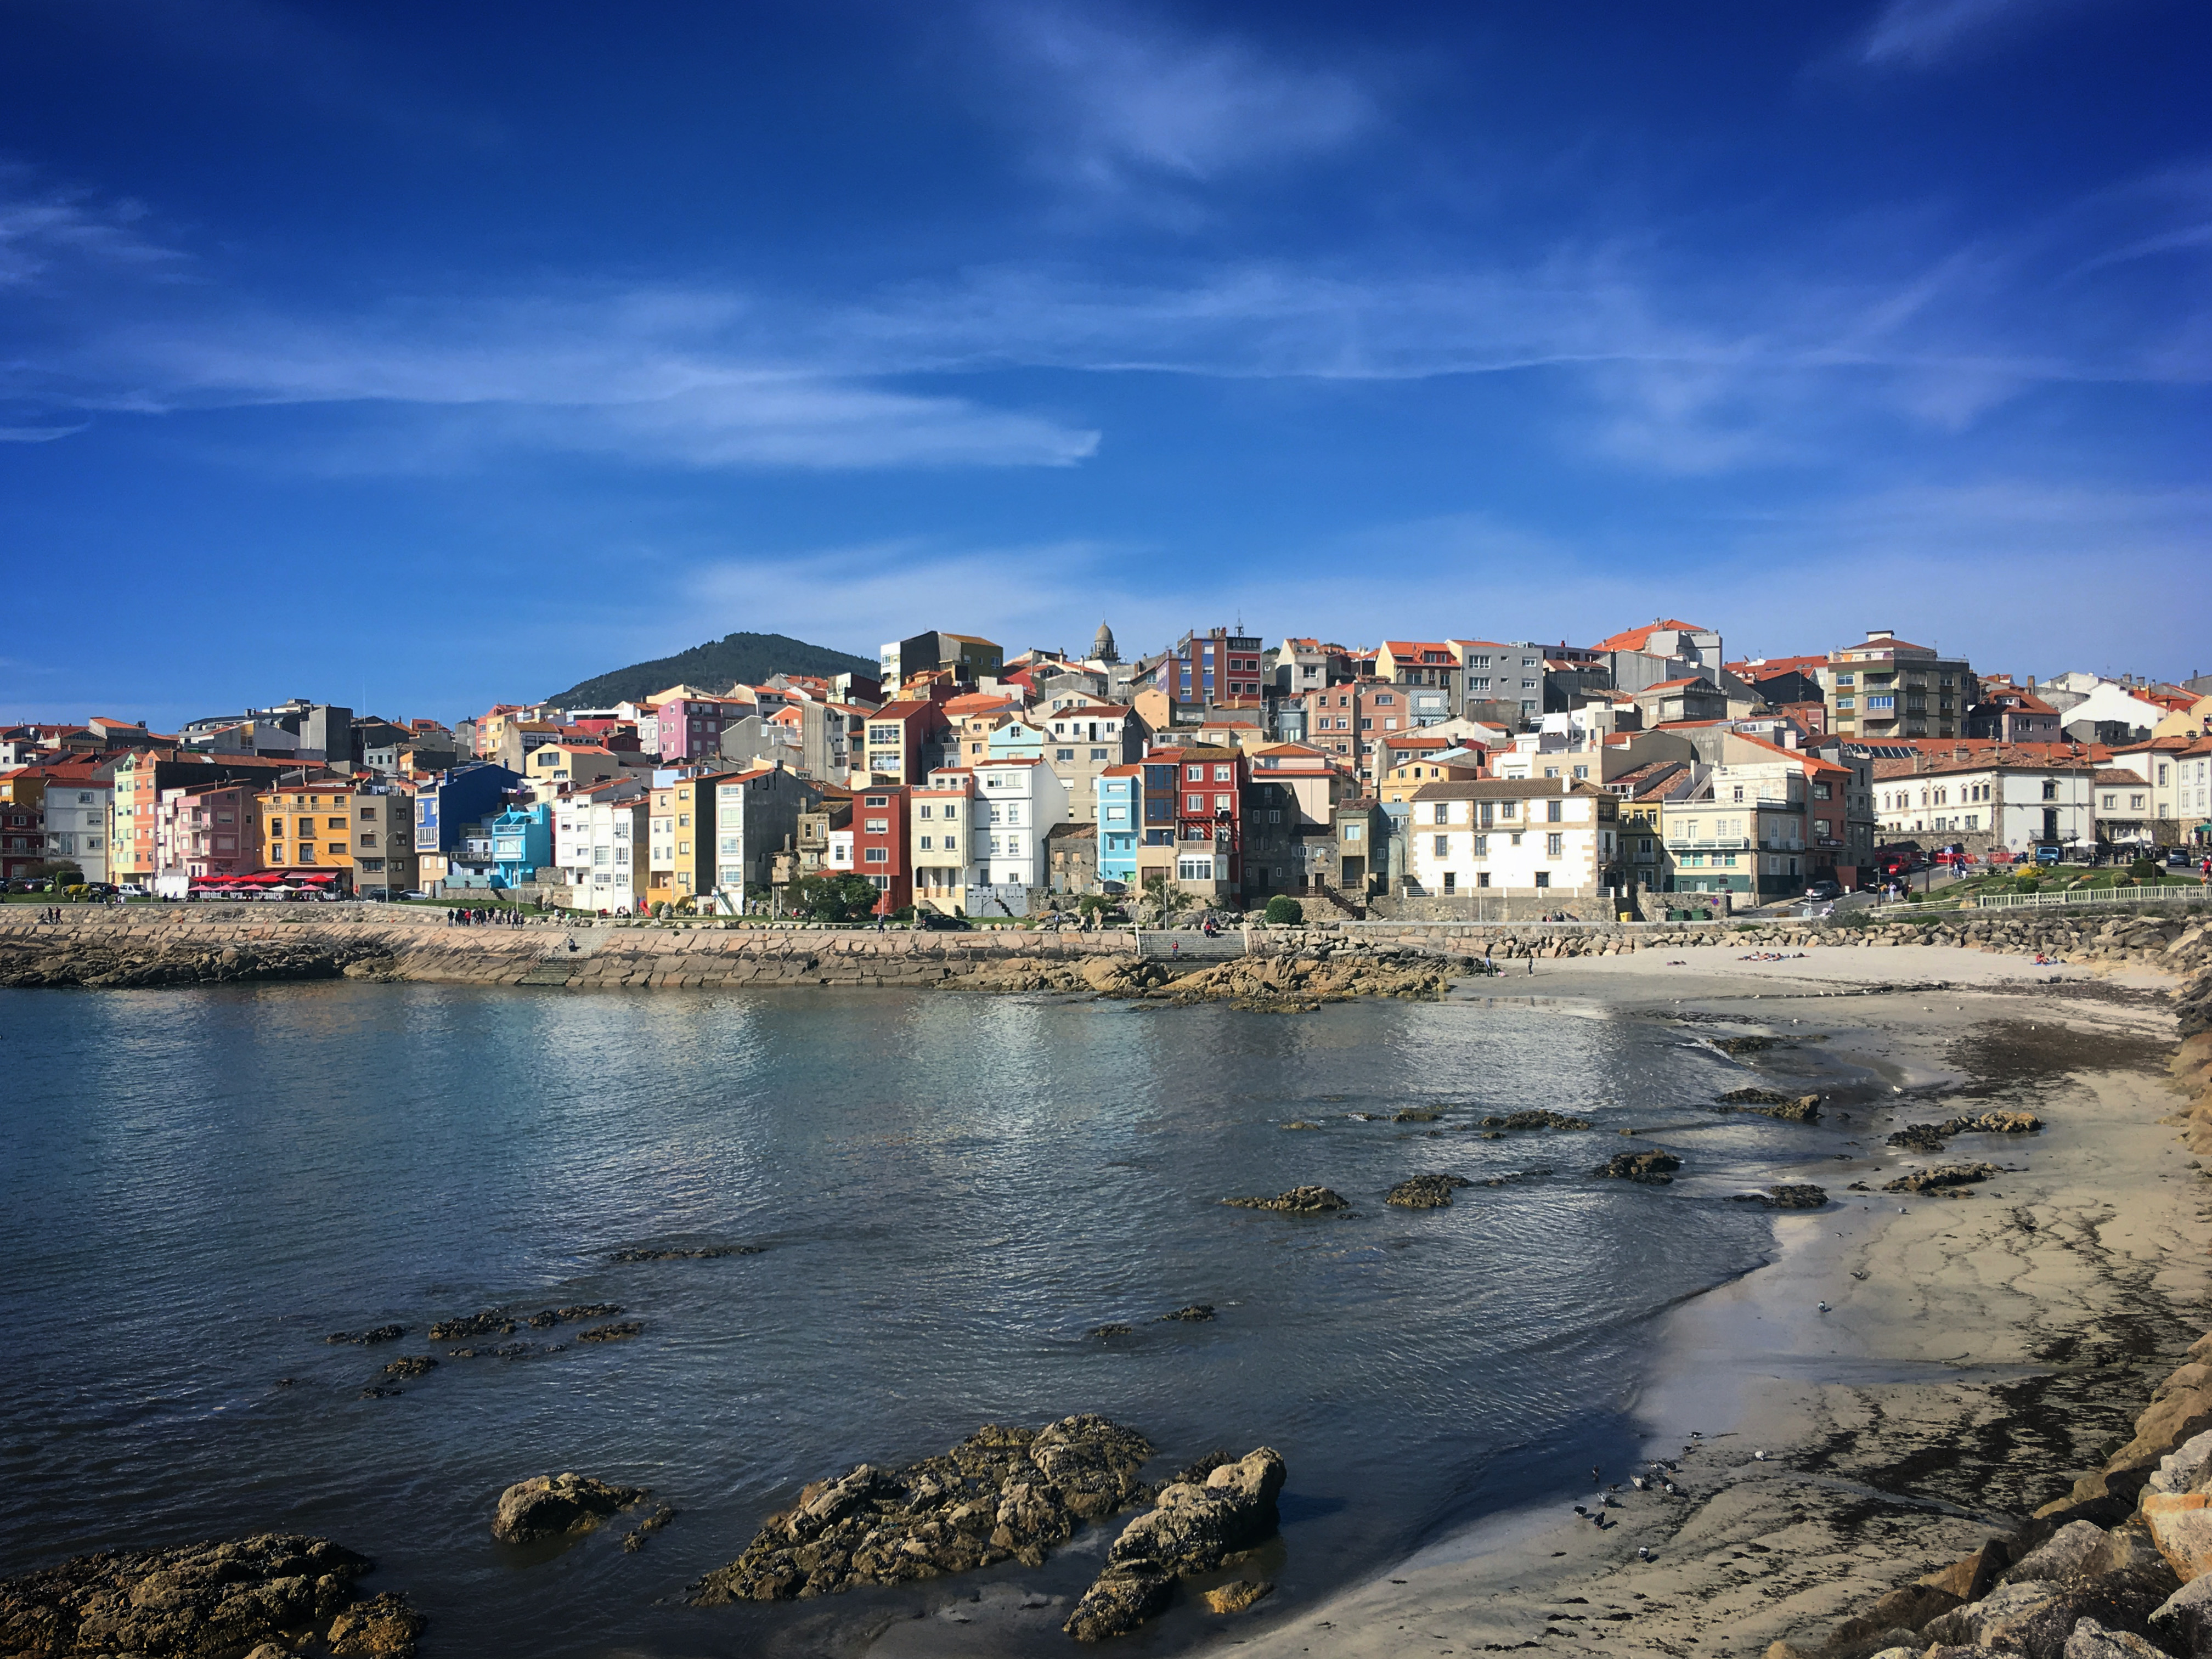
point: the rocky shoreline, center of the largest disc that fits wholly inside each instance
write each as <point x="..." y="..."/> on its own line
<point x="1289" y="967"/>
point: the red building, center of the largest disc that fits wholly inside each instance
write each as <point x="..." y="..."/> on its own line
<point x="880" y="843"/>
<point x="1209" y="807"/>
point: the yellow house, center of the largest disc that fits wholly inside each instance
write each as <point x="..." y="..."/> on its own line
<point x="2188" y="722"/>
<point x="1401" y="782"/>
<point x="680" y="842"/>
<point x="308" y="826"/>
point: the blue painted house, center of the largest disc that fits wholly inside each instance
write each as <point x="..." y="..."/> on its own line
<point x="457" y="801"/>
<point x="1120" y="794"/>
<point x="521" y="844"/>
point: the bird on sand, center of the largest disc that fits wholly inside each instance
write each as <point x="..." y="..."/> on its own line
<point x="1758" y="1457"/>
<point x="1822" y="1306"/>
<point x="1644" y="1552"/>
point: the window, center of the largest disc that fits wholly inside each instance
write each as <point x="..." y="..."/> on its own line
<point x="1063" y="754"/>
<point x="1543" y="879"/>
<point x="1482" y="847"/>
<point x="1443" y="846"/>
<point x="1194" y="869"/>
<point x="1482" y="878"/>
<point x="878" y="826"/>
<point x="2051" y="789"/>
<point x="1554" y="812"/>
<point x="951" y="811"/>
<point x="1195" y="774"/>
<point x="1451" y="880"/>
<point x="1222" y="803"/>
<point x="1354" y="832"/>
<point x="1195" y="804"/>
<point x="1555" y="846"/>
<point x="877" y="855"/>
<point x="1099" y="754"/>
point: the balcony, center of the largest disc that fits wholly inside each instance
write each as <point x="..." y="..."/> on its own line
<point x="1726" y="844"/>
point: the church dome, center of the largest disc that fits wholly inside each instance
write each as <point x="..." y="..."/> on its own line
<point x="1102" y="646"/>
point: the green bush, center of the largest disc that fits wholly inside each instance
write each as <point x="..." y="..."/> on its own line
<point x="1284" y="909"/>
<point x="833" y="898"/>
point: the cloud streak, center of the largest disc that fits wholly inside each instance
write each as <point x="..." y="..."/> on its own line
<point x="1925" y="33"/>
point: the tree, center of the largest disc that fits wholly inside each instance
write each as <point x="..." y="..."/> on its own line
<point x="1283" y="908"/>
<point x="833" y="898"/>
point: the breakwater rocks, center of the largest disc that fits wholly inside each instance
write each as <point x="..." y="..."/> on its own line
<point x="1193" y="1527"/>
<point x="146" y="945"/>
<point x="1001" y="1494"/>
<point x="205" y="1599"/>
<point x="1299" y="1201"/>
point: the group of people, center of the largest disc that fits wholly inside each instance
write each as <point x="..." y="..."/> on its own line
<point x="485" y="918"/>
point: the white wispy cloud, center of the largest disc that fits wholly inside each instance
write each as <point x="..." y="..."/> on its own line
<point x="1113" y="97"/>
<point x="50" y="233"/>
<point x="1920" y="33"/>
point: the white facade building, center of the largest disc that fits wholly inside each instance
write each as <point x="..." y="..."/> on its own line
<point x="2017" y="807"/>
<point x="599" y="842"/>
<point x="1524" y="835"/>
<point x="1018" y="802"/>
<point x="942" y="825"/>
<point x="76" y="825"/>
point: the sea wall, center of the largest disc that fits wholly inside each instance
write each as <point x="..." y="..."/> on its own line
<point x="148" y="945"/>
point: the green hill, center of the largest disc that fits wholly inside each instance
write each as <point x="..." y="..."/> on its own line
<point x="713" y="666"/>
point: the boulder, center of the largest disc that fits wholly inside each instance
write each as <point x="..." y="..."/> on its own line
<point x="2183" y="1621"/>
<point x="2066" y="1551"/>
<point x="2091" y="1640"/>
<point x="1970" y="1577"/>
<point x="1536" y="1119"/>
<point x="2181" y="1527"/>
<point x="1190" y="1529"/>
<point x="1236" y="1596"/>
<point x="1799" y="1196"/>
<point x="2034" y="1617"/>
<point x="382" y="1628"/>
<point x="547" y="1505"/>
<point x="2183" y="1469"/>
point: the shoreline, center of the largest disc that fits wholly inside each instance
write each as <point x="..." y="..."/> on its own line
<point x="1975" y="1324"/>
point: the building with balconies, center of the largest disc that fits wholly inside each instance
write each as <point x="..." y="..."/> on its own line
<point x="1885" y="690"/>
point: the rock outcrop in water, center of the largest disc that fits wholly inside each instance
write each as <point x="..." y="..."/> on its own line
<point x="709" y="1252"/>
<point x="1535" y="1119"/>
<point x="1653" y="1169"/>
<point x="1003" y="1493"/>
<point x="204" y="1600"/>
<point x="1192" y="1527"/>
<point x="1802" y="1196"/>
<point x="1768" y="1102"/>
<point x="547" y="1505"/>
<point x="1265" y="982"/>
<point x="1299" y="1201"/>
<point x="1424" y="1192"/>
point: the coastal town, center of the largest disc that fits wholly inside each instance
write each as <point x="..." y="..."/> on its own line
<point x="1648" y="775"/>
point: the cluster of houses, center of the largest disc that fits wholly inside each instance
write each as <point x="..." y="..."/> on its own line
<point x="1454" y="776"/>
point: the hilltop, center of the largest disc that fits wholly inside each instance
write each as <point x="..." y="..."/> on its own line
<point x="719" y="664"/>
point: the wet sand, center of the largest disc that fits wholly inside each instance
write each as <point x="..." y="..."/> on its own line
<point x="1980" y="1353"/>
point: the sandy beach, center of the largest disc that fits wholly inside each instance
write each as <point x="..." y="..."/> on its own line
<point x="1980" y="1353"/>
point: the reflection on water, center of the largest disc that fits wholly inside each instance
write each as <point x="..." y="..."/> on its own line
<point x="196" y="1187"/>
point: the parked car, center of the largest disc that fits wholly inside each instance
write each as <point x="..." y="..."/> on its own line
<point x="132" y="890"/>
<point x="2177" y="860"/>
<point x="1824" y="889"/>
<point x="2047" y="853"/>
<point x="938" y="921"/>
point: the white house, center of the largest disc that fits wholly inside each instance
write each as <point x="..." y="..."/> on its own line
<point x="1019" y="801"/>
<point x="2179" y="773"/>
<point x="600" y="836"/>
<point x="1522" y="835"/>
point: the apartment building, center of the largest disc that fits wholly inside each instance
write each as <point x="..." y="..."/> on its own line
<point x="1427" y="674"/>
<point x="1986" y="802"/>
<point x="384" y="863"/>
<point x="602" y="834"/>
<point x="1885" y="690"/>
<point x="941" y="822"/>
<point x="306" y="824"/>
<point x="882" y="845"/>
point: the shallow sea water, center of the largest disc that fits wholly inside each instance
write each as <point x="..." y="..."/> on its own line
<point x="196" y="1187"/>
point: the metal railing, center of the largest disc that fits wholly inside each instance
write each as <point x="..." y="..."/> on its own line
<point x="2160" y="895"/>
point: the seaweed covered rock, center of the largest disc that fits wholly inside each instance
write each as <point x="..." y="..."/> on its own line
<point x="1299" y="1201"/>
<point x="1766" y="1103"/>
<point x="1003" y="1493"/>
<point x="1941" y="1177"/>
<point x="201" y="1599"/>
<point x="1536" y="1118"/>
<point x="1931" y="1137"/>
<point x="1801" y="1195"/>
<point x="1424" y="1192"/>
<point x="1190" y="1529"/>
<point x="546" y="1506"/>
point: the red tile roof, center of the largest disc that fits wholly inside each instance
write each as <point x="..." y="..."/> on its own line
<point x="1636" y="638"/>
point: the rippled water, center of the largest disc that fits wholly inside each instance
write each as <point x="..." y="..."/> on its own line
<point x="196" y="1187"/>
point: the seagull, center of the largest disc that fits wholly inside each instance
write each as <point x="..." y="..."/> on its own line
<point x="1758" y="1457"/>
<point x="1636" y="1481"/>
<point x="1644" y="1552"/>
<point x="1695" y="1434"/>
<point x="1580" y="1509"/>
<point x="1823" y="1307"/>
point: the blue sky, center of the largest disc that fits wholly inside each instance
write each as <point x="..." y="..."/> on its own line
<point x="417" y="356"/>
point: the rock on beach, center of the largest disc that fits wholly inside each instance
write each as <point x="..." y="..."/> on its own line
<point x="1653" y="1169"/>
<point x="203" y="1599"/>
<point x="1003" y="1493"/>
<point x="1424" y="1192"/>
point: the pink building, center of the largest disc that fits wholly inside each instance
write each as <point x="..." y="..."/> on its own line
<point x="207" y="830"/>
<point x="691" y="729"/>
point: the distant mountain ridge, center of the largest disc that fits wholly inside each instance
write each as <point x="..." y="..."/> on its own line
<point x="735" y="658"/>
